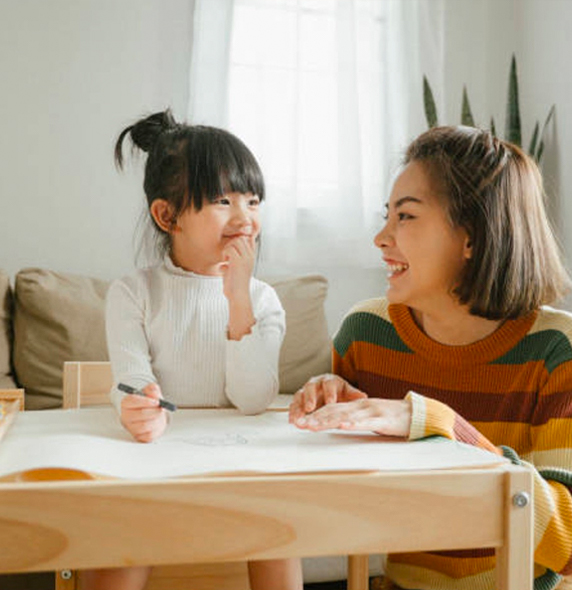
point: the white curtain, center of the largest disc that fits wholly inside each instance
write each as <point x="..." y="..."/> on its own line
<point x="327" y="94"/>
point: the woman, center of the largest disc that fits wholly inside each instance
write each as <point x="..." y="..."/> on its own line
<point x="463" y="345"/>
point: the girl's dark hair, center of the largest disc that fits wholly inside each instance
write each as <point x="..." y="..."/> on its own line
<point x="188" y="164"/>
<point x="494" y="191"/>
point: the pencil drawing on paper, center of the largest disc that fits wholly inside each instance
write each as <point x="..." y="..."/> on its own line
<point x="213" y="440"/>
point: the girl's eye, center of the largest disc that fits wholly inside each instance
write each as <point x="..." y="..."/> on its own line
<point x="254" y="202"/>
<point x="222" y="201"/>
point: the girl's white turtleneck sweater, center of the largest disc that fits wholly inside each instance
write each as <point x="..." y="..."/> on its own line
<point x="169" y="326"/>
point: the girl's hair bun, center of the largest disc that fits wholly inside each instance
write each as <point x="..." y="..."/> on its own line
<point x="145" y="133"/>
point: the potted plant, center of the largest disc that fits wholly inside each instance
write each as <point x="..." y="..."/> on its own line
<point x="513" y="132"/>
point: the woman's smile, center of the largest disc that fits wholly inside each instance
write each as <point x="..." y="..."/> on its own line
<point x="395" y="269"/>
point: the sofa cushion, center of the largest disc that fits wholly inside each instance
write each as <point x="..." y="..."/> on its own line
<point x="306" y="350"/>
<point x="60" y="317"/>
<point x="6" y="378"/>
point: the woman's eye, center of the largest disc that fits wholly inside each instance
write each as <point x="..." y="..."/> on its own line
<point x="400" y="216"/>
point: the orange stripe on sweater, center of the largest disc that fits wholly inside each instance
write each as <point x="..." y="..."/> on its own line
<point x="484" y="377"/>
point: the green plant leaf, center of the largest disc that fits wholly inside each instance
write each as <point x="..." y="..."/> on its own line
<point x="493" y="127"/>
<point x="540" y="151"/>
<point x="429" y="103"/>
<point x="534" y="139"/>
<point x="512" y="126"/>
<point x="466" y="115"/>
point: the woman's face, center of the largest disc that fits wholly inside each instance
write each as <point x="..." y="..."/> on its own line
<point x="423" y="252"/>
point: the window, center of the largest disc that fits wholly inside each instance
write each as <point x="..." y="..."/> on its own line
<point x="306" y="94"/>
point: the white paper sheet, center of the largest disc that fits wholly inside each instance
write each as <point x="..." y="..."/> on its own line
<point x="213" y="441"/>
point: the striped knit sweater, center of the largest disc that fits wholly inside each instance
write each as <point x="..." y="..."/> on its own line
<point x="509" y="393"/>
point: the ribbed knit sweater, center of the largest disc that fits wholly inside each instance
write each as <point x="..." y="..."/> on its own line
<point x="509" y="393"/>
<point x="168" y="326"/>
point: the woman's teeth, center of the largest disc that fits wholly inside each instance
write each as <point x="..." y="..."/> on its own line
<point x="396" y="268"/>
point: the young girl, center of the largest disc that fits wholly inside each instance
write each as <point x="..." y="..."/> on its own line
<point x="196" y="327"/>
<point x="463" y="345"/>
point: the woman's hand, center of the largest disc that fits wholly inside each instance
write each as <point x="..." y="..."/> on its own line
<point x="383" y="416"/>
<point x="239" y="256"/>
<point x="319" y="391"/>
<point x="142" y="416"/>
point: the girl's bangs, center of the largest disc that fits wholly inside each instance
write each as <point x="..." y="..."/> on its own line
<point x="218" y="164"/>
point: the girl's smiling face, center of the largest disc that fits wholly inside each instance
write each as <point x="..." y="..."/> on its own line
<point x="199" y="237"/>
<point x="424" y="253"/>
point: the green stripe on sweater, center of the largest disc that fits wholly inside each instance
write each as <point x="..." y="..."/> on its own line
<point x="367" y="327"/>
<point x="550" y="346"/>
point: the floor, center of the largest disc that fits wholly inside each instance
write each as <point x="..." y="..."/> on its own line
<point x="45" y="581"/>
<point x="39" y="581"/>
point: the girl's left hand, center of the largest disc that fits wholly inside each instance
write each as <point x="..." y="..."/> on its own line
<point x="383" y="416"/>
<point x="239" y="255"/>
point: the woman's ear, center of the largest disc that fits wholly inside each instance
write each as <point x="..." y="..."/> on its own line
<point x="468" y="248"/>
<point x="162" y="213"/>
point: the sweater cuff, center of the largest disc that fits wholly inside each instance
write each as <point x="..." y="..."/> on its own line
<point x="417" y="402"/>
<point x="253" y="333"/>
<point x="429" y="417"/>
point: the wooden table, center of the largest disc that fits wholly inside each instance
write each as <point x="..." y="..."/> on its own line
<point x="56" y="525"/>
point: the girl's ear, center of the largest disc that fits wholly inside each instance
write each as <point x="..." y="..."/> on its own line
<point x="162" y="213"/>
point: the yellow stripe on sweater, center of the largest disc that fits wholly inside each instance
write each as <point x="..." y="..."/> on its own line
<point x="557" y="433"/>
<point x="556" y="555"/>
<point x="410" y="576"/>
<point x="457" y="567"/>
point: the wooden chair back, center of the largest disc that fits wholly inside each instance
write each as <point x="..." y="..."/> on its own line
<point x="86" y="384"/>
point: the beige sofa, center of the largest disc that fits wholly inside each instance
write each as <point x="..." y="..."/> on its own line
<point x="49" y="318"/>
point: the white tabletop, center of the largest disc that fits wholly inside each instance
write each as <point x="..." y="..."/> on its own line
<point x="214" y="441"/>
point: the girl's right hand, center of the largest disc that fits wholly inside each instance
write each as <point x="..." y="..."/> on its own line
<point x="319" y="391"/>
<point x="142" y="416"/>
<point x="239" y="257"/>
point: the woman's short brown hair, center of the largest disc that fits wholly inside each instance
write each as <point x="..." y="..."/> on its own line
<point x="494" y="191"/>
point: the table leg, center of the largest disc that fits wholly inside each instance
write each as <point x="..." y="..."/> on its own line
<point x="515" y="558"/>
<point x="358" y="572"/>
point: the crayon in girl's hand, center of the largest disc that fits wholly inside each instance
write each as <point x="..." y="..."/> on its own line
<point x="132" y="391"/>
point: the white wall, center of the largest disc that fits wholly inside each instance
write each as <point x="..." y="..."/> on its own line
<point x="481" y="36"/>
<point x="547" y="79"/>
<point x="75" y="72"/>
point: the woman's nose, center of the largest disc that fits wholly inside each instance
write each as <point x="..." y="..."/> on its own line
<point x="383" y="237"/>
